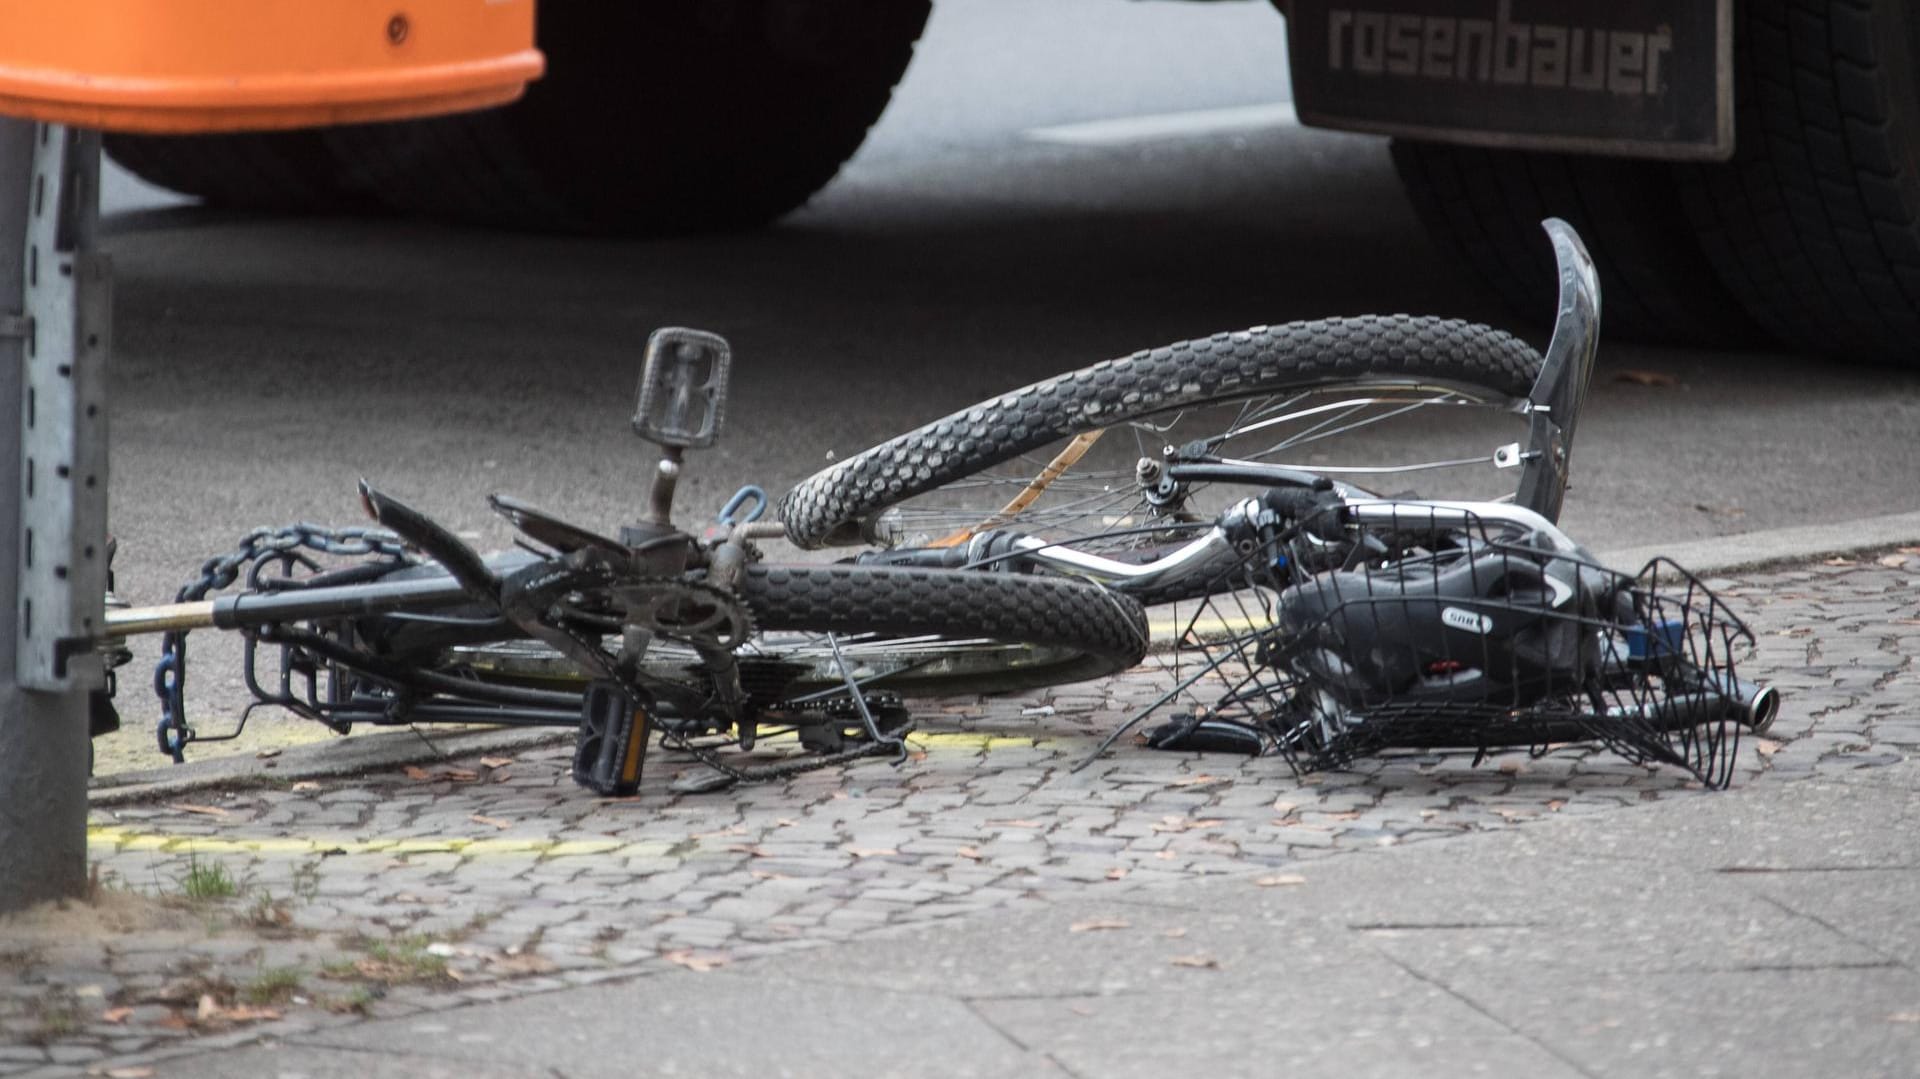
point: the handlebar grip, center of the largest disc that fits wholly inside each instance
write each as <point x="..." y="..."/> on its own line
<point x="1749" y="704"/>
<point x="1315" y="510"/>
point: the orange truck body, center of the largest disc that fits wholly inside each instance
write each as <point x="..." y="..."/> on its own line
<point x="179" y="66"/>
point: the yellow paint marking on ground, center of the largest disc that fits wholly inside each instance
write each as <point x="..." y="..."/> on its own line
<point x="1167" y="630"/>
<point x="966" y="740"/>
<point x="125" y="839"/>
<point x="120" y="840"/>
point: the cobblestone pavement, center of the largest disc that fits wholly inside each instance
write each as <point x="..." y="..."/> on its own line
<point x="401" y="892"/>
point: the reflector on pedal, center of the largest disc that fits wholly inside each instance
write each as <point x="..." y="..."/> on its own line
<point x="610" y="750"/>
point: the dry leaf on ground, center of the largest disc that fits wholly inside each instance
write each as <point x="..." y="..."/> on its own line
<point x="513" y="966"/>
<point x="496" y="762"/>
<point x="1199" y="962"/>
<point x="460" y="775"/>
<point x="305" y="786"/>
<point x="1275" y="880"/>
<point x="210" y="1013"/>
<point x="698" y="962"/>
<point x="1185" y="824"/>
<point x="1642" y="377"/>
<point x="1838" y="561"/>
<point x="416" y="773"/>
<point x="480" y="818"/>
<point x="1092" y="925"/>
<point x="1893" y="561"/>
<point x="969" y="853"/>
<point x="204" y="811"/>
<point x="115" y="1015"/>
<point x="1767" y="746"/>
<point x="1117" y="873"/>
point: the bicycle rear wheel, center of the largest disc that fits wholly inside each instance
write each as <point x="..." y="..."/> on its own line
<point x="907" y="632"/>
<point x="1374" y="401"/>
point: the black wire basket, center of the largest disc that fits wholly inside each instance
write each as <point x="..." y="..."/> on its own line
<point x="1428" y="626"/>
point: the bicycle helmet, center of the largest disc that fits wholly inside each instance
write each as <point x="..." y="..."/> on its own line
<point x="1501" y="624"/>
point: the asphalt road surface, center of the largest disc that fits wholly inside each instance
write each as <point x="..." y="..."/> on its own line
<point x="1056" y="183"/>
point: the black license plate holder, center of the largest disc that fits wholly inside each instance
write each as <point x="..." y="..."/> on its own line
<point x="1636" y="78"/>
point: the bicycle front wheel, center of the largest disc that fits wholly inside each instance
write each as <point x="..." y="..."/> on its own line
<point x="1378" y="401"/>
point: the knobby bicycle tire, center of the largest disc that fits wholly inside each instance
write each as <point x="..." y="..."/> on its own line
<point x="944" y="631"/>
<point x="837" y="505"/>
<point x="1095" y="632"/>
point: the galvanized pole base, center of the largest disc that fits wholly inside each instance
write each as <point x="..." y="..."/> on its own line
<point x="53" y="445"/>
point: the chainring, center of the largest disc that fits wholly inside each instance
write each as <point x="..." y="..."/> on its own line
<point x="691" y="611"/>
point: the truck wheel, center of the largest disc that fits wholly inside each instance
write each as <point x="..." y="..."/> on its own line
<point x="285" y="171"/>
<point x="1815" y="224"/>
<point x="659" y="117"/>
<point x="1486" y="206"/>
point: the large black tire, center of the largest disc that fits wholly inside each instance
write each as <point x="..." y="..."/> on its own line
<point x="837" y="505"/>
<point x="1104" y="632"/>
<point x="1486" y="207"/>
<point x="1815" y="224"/>
<point x="279" y="171"/>
<point x="659" y="117"/>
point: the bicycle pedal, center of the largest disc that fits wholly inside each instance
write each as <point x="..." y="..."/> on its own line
<point x="683" y="388"/>
<point x="610" y="749"/>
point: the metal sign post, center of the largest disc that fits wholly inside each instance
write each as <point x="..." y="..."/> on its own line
<point x="54" y="302"/>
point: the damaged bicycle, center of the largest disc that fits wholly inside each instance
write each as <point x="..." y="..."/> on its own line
<point x="1019" y="544"/>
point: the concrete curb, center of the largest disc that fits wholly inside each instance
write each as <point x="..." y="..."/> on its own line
<point x="1806" y="543"/>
